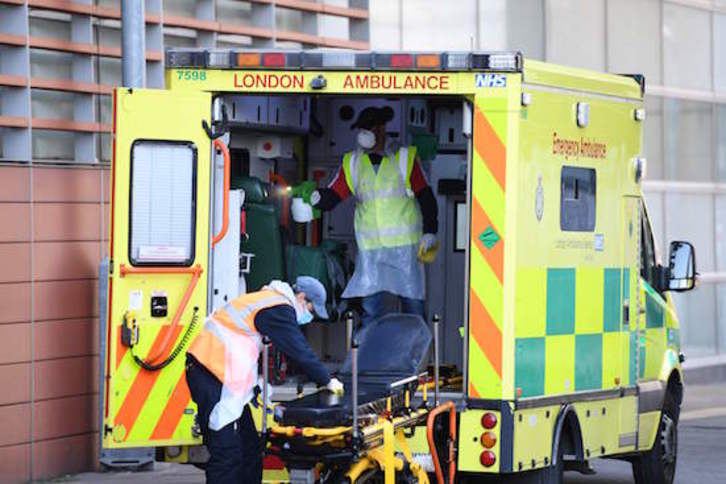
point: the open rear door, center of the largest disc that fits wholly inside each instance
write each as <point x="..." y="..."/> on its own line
<point x="159" y="246"/>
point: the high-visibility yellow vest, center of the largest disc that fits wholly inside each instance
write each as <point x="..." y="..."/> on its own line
<point x="228" y="346"/>
<point x="386" y="214"/>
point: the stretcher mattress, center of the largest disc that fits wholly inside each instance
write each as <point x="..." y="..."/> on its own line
<point x="391" y="349"/>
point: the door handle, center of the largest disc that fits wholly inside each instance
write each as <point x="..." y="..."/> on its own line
<point x="626" y="312"/>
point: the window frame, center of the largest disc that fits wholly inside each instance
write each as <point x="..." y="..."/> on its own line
<point x="564" y="227"/>
<point x="193" y="232"/>
<point x="647" y="250"/>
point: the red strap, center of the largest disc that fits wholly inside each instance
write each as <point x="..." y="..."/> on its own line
<point x="243" y="223"/>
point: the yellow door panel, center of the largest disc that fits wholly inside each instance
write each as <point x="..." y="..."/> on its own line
<point x="159" y="245"/>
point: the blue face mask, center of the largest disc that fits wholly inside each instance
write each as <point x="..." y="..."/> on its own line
<point x="305" y="317"/>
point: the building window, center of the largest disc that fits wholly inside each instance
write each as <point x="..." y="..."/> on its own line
<point x="577" y="199"/>
<point x="163" y="203"/>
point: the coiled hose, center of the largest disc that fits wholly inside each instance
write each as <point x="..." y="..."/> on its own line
<point x="175" y="352"/>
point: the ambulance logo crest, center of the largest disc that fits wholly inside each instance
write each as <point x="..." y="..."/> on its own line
<point x="490" y="80"/>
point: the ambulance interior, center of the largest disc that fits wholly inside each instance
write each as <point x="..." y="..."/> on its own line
<point x="278" y="142"/>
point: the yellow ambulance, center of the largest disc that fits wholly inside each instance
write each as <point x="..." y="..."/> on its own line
<point x="559" y="339"/>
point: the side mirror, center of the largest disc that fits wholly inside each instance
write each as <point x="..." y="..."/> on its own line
<point x="681" y="267"/>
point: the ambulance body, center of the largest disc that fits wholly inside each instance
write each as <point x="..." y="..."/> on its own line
<point x="556" y="314"/>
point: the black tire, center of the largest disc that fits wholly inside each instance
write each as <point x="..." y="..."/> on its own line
<point x="548" y="475"/>
<point x="555" y="473"/>
<point x="658" y="465"/>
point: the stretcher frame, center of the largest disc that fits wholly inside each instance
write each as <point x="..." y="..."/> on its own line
<point x="369" y="445"/>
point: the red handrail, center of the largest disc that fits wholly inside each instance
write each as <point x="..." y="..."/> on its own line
<point x="452" y="440"/>
<point x="219" y="144"/>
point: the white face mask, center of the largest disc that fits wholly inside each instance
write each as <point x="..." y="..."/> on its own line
<point x="366" y="139"/>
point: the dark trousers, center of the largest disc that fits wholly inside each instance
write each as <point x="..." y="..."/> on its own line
<point x="235" y="451"/>
<point x="373" y="307"/>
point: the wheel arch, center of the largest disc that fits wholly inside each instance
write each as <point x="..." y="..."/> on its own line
<point x="569" y="432"/>
<point x="675" y="385"/>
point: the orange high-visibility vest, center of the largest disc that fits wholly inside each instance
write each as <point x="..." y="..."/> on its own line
<point x="228" y="346"/>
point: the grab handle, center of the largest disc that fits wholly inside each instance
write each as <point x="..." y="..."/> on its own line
<point x="219" y="144"/>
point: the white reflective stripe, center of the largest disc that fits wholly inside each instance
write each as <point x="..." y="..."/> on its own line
<point x="403" y="164"/>
<point x="217" y="329"/>
<point x="239" y="316"/>
<point x="390" y="231"/>
<point x="222" y="332"/>
<point x="241" y="353"/>
<point x="353" y="167"/>
<point x="386" y="193"/>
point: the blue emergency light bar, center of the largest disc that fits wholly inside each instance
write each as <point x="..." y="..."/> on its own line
<point x="343" y="60"/>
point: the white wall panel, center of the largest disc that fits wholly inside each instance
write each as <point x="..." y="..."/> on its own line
<point x="686" y="47"/>
<point x="385" y="22"/>
<point x="691" y="217"/>
<point x="688" y="149"/>
<point x="493" y="24"/>
<point x="436" y="25"/>
<point x="634" y="38"/>
<point x="526" y="27"/>
<point x="697" y="312"/>
<point x="576" y="33"/>
<point x="719" y="58"/>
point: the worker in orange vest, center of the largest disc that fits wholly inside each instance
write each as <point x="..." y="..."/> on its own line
<point x="221" y="370"/>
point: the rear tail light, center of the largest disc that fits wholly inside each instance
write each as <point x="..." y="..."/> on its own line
<point x="488" y="439"/>
<point x="489" y="420"/>
<point x="487" y="458"/>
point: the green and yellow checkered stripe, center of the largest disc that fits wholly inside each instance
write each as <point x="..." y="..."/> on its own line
<point x="568" y="332"/>
<point x="487" y="249"/>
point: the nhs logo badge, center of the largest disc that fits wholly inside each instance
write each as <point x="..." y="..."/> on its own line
<point x="490" y="80"/>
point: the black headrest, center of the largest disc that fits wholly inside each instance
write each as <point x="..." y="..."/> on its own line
<point x="395" y="344"/>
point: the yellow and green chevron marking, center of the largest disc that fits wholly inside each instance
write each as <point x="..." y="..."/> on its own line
<point x="487" y="250"/>
<point x="576" y="342"/>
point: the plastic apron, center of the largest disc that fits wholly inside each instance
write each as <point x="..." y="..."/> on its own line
<point x="387" y="226"/>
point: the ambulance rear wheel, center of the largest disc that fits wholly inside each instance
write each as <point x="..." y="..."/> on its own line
<point x="658" y="465"/>
<point x="554" y="473"/>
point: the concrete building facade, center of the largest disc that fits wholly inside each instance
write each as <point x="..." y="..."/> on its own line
<point x="680" y="47"/>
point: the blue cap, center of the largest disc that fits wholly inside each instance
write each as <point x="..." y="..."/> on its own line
<point x="314" y="292"/>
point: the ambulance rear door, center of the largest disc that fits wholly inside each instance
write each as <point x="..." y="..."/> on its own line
<point x="159" y="247"/>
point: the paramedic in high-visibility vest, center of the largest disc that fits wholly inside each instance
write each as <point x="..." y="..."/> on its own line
<point x="221" y="370"/>
<point x="390" y="226"/>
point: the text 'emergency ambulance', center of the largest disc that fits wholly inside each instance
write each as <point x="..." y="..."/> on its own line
<point x="578" y="148"/>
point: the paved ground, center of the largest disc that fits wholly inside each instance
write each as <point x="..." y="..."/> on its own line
<point x="701" y="451"/>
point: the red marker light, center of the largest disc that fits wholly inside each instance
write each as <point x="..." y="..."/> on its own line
<point x="267" y="146"/>
<point x="273" y="60"/>
<point x="401" y="60"/>
<point x="487" y="458"/>
<point x="488" y="420"/>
